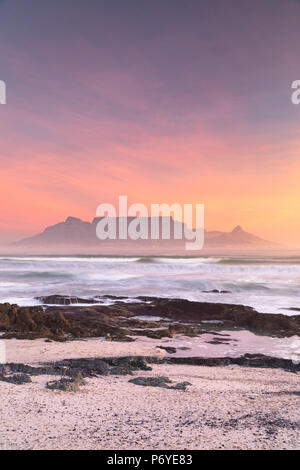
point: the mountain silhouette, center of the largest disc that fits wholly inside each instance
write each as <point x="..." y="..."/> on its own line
<point x="238" y="237"/>
<point x="76" y="232"/>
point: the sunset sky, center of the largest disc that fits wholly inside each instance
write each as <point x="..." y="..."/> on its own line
<point x="161" y="100"/>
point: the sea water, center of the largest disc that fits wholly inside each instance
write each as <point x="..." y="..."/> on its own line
<point x="269" y="284"/>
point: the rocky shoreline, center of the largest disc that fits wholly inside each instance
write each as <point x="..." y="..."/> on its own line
<point x="125" y="375"/>
<point x="124" y="320"/>
<point x="73" y="371"/>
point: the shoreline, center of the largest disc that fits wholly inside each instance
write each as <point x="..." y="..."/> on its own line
<point x="61" y="318"/>
<point x="139" y="384"/>
<point x="179" y="328"/>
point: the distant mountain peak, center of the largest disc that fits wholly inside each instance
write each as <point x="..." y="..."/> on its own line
<point x="237" y="229"/>
<point x="70" y="220"/>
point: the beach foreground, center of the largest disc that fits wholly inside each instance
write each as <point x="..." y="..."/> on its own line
<point x="229" y="407"/>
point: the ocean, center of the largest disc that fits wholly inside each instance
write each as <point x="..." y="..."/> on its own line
<point x="269" y="284"/>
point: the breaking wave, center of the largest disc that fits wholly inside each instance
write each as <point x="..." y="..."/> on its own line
<point x="267" y="284"/>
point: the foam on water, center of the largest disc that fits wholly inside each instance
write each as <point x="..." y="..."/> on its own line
<point x="268" y="284"/>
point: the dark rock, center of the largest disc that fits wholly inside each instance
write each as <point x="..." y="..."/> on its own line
<point x="129" y="363"/>
<point x="154" y="334"/>
<point x="88" y="367"/>
<point x="146" y="298"/>
<point x="217" y="291"/>
<point x="115" y="322"/>
<point x="116" y="370"/>
<point x="96" y="366"/>
<point x="34" y="322"/>
<point x="112" y="297"/>
<point x="168" y="349"/>
<point x="214" y="342"/>
<point x="219" y="341"/>
<point x="64" y="300"/>
<point x="66" y="384"/>
<point x="247" y="360"/>
<point x="73" y="371"/>
<point x="181" y="386"/>
<point x="151" y="381"/>
<point x="159" y="382"/>
<point x="233" y="316"/>
<point x="123" y="338"/>
<point x="17" y="379"/>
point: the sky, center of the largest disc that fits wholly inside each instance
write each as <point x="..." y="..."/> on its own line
<point x="160" y="100"/>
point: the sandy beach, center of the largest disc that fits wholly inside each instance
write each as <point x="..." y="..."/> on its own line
<point x="152" y="374"/>
<point x="224" y="407"/>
